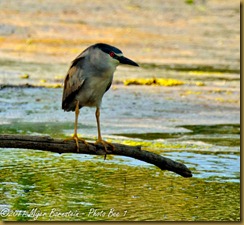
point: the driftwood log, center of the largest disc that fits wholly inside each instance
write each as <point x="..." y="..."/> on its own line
<point x="47" y="143"/>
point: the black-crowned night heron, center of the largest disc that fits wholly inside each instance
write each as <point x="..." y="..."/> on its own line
<point x="89" y="77"/>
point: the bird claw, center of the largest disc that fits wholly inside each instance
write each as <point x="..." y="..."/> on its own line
<point x="105" y="143"/>
<point x="77" y="139"/>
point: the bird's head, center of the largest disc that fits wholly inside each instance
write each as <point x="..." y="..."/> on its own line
<point x="112" y="55"/>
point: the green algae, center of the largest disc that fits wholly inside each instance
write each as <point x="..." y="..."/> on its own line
<point x="91" y="190"/>
<point x="214" y="129"/>
<point x="17" y="127"/>
<point x="220" y="134"/>
<point x="43" y="186"/>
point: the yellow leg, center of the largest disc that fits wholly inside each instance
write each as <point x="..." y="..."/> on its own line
<point x="77" y="111"/>
<point x="99" y="137"/>
<point x="75" y="136"/>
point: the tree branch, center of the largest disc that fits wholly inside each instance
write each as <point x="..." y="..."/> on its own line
<point x="47" y="143"/>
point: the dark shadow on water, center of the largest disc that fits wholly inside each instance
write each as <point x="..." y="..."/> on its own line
<point x="188" y="68"/>
<point x="220" y="134"/>
<point x="51" y="128"/>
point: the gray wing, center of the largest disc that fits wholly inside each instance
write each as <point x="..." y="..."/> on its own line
<point x="73" y="82"/>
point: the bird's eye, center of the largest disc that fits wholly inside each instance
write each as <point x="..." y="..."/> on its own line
<point x="112" y="54"/>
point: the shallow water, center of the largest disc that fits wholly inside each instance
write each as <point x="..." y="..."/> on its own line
<point x="44" y="185"/>
<point x="195" y="42"/>
<point x="47" y="183"/>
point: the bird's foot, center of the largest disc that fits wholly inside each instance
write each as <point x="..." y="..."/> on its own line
<point x="105" y="144"/>
<point x="77" y="139"/>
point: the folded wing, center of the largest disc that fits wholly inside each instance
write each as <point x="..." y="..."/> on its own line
<point x="72" y="83"/>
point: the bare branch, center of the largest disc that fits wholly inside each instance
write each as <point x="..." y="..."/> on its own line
<point x="47" y="143"/>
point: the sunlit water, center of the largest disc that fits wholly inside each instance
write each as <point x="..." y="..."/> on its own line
<point x="85" y="187"/>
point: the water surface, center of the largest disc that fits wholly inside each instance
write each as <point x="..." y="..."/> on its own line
<point x="49" y="186"/>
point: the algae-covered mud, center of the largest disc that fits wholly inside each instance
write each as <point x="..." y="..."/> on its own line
<point x="183" y="102"/>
